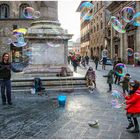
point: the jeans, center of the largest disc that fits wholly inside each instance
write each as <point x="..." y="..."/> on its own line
<point x="6" y="84"/>
<point x="110" y="87"/>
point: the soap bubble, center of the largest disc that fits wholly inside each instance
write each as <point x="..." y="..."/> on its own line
<point x="129" y="51"/>
<point x="28" y="12"/>
<point x="117" y="25"/>
<point x="136" y="21"/>
<point x="120" y="69"/>
<point x="128" y="14"/>
<point x="136" y="55"/>
<point x="86" y="9"/>
<point x="20" y="31"/>
<point x="36" y="14"/>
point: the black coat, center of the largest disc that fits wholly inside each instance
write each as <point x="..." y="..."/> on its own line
<point x="5" y="71"/>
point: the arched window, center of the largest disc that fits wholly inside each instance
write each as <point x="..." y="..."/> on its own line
<point x="4" y="11"/>
<point x="22" y="7"/>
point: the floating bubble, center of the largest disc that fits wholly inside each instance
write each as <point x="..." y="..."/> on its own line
<point x="18" y="40"/>
<point x="137" y="55"/>
<point x="28" y="12"/>
<point x="129" y="51"/>
<point x="86" y="9"/>
<point x="120" y="69"/>
<point x="36" y="14"/>
<point x="20" y="31"/>
<point x="136" y="21"/>
<point x="117" y="25"/>
<point x="116" y="94"/>
<point x="128" y="14"/>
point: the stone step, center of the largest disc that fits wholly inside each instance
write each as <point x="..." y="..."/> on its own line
<point x="50" y="83"/>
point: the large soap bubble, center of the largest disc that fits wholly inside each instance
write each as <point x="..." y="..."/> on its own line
<point x="128" y="14"/>
<point x="120" y="69"/>
<point x="130" y="51"/>
<point x="136" y="21"/>
<point x="28" y="12"/>
<point x="117" y="25"/>
<point x="86" y="9"/>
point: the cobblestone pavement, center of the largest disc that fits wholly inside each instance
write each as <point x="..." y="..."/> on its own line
<point x="34" y="116"/>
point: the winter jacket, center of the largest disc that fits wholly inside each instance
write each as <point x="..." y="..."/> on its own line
<point x="133" y="102"/>
<point x="110" y="77"/>
<point x="90" y="75"/>
<point x="96" y="59"/>
<point x="125" y="82"/>
<point x="5" y="71"/>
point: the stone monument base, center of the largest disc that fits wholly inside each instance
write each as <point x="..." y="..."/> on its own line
<point x="41" y="70"/>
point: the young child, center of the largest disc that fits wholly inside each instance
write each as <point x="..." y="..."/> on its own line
<point x="110" y="79"/>
<point x="125" y="82"/>
<point x="133" y="106"/>
<point x="90" y="77"/>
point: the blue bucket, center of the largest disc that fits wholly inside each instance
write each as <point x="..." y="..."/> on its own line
<point x="62" y="100"/>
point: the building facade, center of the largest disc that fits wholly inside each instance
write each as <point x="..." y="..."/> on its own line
<point x="11" y="17"/>
<point x="93" y="31"/>
<point x="120" y="42"/>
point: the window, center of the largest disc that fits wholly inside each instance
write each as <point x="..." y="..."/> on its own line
<point x="97" y="17"/>
<point x="109" y="33"/>
<point x="94" y="29"/>
<point x="101" y="15"/>
<point x="4" y="11"/>
<point x="97" y="6"/>
<point x="22" y="7"/>
<point x="97" y="27"/>
<point x="101" y="4"/>
<point x="101" y="25"/>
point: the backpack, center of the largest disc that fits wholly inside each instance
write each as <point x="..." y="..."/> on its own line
<point x="38" y="85"/>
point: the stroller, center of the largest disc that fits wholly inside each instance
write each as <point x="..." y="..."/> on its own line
<point x="37" y="85"/>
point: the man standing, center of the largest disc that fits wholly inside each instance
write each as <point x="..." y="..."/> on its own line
<point x="96" y="61"/>
<point x="5" y="76"/>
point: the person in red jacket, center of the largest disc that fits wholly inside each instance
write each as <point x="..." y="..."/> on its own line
<point x="133" y="106"/>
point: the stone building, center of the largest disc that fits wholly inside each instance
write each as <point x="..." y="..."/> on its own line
<point x="85" y="33"/>
<point x="93" y="31"/>
<point x="98" y="28"/>
<point x="119" y="42"/>
<point x="11" y="17"/>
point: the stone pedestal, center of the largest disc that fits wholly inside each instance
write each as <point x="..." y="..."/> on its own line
<point x="48" y="43"/>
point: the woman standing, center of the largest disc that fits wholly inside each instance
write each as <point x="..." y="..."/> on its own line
<point x="5" y="76"/>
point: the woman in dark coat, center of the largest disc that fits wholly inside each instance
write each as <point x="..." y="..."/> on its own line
<point x="5" y="76"/>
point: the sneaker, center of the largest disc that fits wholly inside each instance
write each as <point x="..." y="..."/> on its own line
<point x="130" y="126"/>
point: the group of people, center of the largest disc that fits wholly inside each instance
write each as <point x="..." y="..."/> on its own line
<point x="76" y="60"/>
<point x="131" y="94"/>
<point x="131" y="90"/>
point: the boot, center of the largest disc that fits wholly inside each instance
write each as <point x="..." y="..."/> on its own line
<point x="130" y="126"/>
<point x="136" y="129"/>
<point x="130" y="123"/>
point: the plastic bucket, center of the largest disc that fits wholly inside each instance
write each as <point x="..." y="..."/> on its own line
<point x="62" y="100"/>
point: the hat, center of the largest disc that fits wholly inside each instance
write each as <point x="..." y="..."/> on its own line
<point x="90" y="68"/>
<point x="135" y="84"/>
